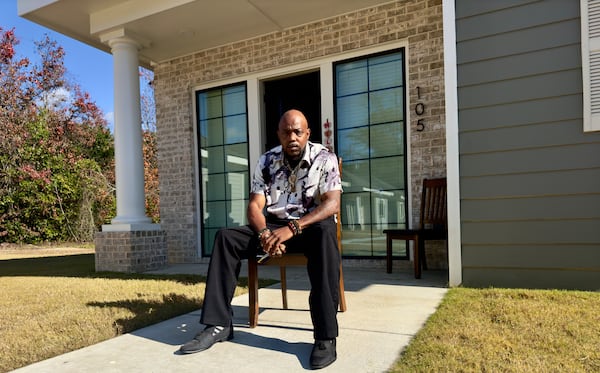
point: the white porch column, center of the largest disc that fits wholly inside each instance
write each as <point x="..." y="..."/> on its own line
<point x="129" y="162"/>
<point x="131" y="243"/>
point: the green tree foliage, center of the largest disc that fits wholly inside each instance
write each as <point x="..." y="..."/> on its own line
<point x="151" y="187"/>
<point x="56" y="153"/>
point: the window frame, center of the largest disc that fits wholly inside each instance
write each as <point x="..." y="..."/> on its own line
<point x="406" y="141"/>
<point x="205" y="248"/>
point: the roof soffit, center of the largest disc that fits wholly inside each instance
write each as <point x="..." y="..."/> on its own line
<point x="178" y="27"/>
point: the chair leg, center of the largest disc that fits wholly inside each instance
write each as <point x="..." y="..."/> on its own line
<point x="388" y="249"/>
<point x="422" y="254"/>
<point x="342" y="293"/>
<point x="252" y="292"/>
<point x="283" y="275"/>
<point x="417" y="259"/>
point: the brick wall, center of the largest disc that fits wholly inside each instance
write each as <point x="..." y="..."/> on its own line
<point x="417" y="21"/>
<point x="132" y="251"/>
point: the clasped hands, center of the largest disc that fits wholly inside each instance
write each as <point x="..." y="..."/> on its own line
<point x="272" y="242"/>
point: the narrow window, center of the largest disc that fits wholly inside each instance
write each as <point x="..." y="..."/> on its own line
<point x="223" y="152"/>
<point x="370" y="138"/>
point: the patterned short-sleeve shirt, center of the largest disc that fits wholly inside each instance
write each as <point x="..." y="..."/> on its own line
<point x="316" y="174"/>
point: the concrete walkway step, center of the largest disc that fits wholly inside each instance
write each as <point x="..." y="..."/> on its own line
<point x="384" y="312"/>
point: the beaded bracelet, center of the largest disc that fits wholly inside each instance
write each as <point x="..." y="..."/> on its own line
<point x="262" y="232"/>
<point x="294" y="226"/>
<point x="297" y="225"/>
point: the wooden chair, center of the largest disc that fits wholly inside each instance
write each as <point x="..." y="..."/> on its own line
<point x="433" y="224"/>
<point x="290" y="259"/>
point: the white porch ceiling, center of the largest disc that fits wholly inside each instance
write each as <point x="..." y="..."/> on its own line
<point x="173" y="28"/>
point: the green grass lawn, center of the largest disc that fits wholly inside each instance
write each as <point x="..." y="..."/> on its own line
<point x="508" y="330"/>
<point x="54" y="304"/>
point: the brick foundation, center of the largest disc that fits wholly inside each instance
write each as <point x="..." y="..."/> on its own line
<point x="131" y="251"/>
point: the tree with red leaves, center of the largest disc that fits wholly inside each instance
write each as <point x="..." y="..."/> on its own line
<point x="151" y="186"/>
<point x="56" y="152"/>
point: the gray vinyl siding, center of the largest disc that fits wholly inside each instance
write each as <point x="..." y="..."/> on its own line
<point x="529" y="175"/>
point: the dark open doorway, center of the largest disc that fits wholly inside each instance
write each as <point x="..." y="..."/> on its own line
<point x="302" y="92"/>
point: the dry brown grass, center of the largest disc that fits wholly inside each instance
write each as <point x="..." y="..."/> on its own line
<point x="504" y="330"/>
<point x="58" y="303"/>
<point x="14" y="251"/>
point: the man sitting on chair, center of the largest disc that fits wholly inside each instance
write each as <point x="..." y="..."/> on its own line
<point x="299" y="184"/>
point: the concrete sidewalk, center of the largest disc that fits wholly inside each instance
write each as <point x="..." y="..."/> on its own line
<point x="384" y="313"/>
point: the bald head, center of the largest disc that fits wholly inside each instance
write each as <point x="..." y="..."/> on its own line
<point x="291" y="116"/>
<point x="293" y="133"/>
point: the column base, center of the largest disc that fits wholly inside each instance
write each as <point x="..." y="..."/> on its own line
<point x="130" y="251"/>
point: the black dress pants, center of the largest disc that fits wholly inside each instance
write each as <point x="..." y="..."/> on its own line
<point x="318" y="242"/>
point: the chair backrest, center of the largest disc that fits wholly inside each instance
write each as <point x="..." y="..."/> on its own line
<point x="338" y="216"/>
<point x="433" y="204"/>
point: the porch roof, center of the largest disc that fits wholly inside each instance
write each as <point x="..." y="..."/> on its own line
<point x="171" y="28"/>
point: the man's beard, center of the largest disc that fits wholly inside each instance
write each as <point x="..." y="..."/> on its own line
<point x="294" y="159"/>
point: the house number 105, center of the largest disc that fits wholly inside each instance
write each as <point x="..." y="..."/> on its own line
<point x="420" y="110"/>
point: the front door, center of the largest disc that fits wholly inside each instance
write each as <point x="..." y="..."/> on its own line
<point x="302" y="92"/>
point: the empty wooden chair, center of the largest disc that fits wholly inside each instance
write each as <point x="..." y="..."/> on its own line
<point x="433" y="224"/>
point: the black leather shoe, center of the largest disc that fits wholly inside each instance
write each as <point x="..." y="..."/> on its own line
<point x="208" y="337"/>
<point x="323" y="353"/>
